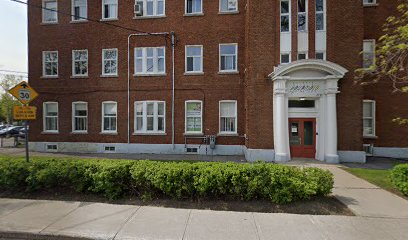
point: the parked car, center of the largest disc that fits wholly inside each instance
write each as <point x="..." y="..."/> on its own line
<point x="10" y="131"/>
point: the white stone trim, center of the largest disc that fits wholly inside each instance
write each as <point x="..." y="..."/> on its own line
<point x="391" y="152"/>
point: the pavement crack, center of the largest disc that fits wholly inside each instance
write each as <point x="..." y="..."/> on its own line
<point x="258" y="235"/>
<point x="187" y="222"/>
<point x="59" y="219"/>
<point x="127" y="220"/>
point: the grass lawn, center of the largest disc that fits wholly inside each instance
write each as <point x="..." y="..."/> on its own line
<point x="381" y="178"/>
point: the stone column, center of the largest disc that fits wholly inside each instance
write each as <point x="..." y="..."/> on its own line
<point x="281" y="138"/>
<point x="331" y="155"/>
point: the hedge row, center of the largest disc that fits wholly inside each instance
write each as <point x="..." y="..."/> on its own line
<point x="399" y="177"/>
<point x="180" y="180"/>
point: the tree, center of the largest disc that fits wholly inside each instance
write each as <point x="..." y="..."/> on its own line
<point x="391" y="62"/>
<point x="7" y="101"/>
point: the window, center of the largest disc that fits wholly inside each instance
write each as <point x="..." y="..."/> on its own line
<point x="110" y="62"/>
<point x="80" y="62"/>
<point x="229" y="57"/>
<point x="50" y="63"/>
<point x="194" y="6"/>
<point x="51" y="147"/>
<point x="285" y="16"/>
<point x="109" y="117"/>
<point x="150" y="117"/>
<point x="368" y="53"/>
<point x="109" y="149"/>
<point x="79" y="117"/>
<point x="368" y="118"/>
<point x="321" y="55"/>
<point x="285" y="58"/>
<point x="194" y="117"/>
<point x="49" y="12"/>
<point x="369" y="2"/>
<point x="194" y="59"/>
<point x="109" y="9"/>
<point x="150" y="60"/>
<point x="228" y="5"/>
<point x="302" y="15"/>
<point x="148" y="8"/>
<point x="302" y="55"/>
<point x="79" y="10"/>
<point x="50" y="117"/>
<point x="228" y="117"/>
<point x="301" y="103"/>
<point x="320" y="16"/>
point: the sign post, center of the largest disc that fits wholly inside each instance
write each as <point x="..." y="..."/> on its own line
<point x="24" y="94"/>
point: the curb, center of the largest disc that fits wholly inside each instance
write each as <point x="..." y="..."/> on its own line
<point x="36" y="236"/>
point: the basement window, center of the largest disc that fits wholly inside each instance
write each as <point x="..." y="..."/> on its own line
<point x="52" y="147"/>
<point x="110" y="149"/>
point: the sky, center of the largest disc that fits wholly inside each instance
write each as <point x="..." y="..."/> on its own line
<point x="13" y="36"/>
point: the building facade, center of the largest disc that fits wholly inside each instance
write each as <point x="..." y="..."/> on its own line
<point x="271" y="80"/>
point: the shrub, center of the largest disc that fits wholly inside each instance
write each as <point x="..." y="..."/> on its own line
<point x="399" y="177"/>
<point x="180" y="180"/>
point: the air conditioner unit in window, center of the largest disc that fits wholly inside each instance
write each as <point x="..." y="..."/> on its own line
<point x="138" y="10"/>
<point x="232" y="4"/>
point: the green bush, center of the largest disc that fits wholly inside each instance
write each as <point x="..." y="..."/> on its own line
<point x="399" y="177"/>
<point x="180" y="180"/>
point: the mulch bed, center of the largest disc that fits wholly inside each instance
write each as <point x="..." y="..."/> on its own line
<point x="317" y="206"/>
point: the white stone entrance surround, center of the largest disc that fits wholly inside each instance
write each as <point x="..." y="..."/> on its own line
<point x="316" y="79"/>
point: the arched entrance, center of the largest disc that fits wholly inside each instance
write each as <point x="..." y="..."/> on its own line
<point x="304" y="110"/>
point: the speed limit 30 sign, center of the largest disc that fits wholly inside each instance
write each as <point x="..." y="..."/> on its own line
<point x="24" y="93"/>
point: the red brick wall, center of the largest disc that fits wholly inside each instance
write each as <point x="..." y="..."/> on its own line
<point x="255" y="29"/>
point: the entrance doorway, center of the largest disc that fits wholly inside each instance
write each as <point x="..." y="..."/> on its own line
<point x="302" y="137"/>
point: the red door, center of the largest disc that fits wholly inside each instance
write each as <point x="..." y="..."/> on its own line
<point x="302" y="137"/>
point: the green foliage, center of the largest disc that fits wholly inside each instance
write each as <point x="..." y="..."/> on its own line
<point x="7" y="101"/>
<point x="180" y="180"/>
<point x="399" y="177"/>
<point x="391" y="52"/>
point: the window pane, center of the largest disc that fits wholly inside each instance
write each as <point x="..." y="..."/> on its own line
<point x="320" y="21"/>
<point x="160" y="108"/>
<point x="139" y="123"/>
<point x="190" y="64"/>
<point x="308" y="133"/>
<point x="150" y="108"/>
<point x="227" y="109"/>
<point x="284" y="23"/>
<point x="368" y="127"/>
<point x="301" y="5"/>
<point x="160" y="7"/>
<point x="284" y="6"/>
<point x="367" y="110"/>
<point x="193" y="51"/>
<point x="110" y="109"/>
<point x="228" y="49"/>
<point x="319" y="5"/>
<point x="160" y="124"/>
<point x="150" y="121"/>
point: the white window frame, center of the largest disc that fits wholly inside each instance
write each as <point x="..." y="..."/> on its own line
<point x="236" y="56"/>
<point x="193" y="13"/>
<point x="201" y="57"/>
<point x="116" y="12"/>
<point x="374" y="3"/>
<point x="43" y="63"/>
<point x="324" y="17"/>
<point x="372" y="118"/>
<point x="44" y="10"/>
<point x="155" y="14"/>
<point x="286" y="53"/>
<point x="74" y="117"/>
<point x="155" y="61"/>
<point x="81" y="18"/>
<point x="228" y="11"/>
<point x="322" y="52"/>
<point x="373" y="53"/>
<point x="303" y="13"/>
<point x="45" y="118"/>
<point x="103" y="62"/>
<point x="236" y="117"/>
<point x="155" y="117"/>
<point x="186" y="116"/>
<point x="285" y="14"/>
<point x="74" y="61"/>
<point x="103" y="118"/>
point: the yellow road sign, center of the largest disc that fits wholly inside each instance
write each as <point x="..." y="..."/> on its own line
<point x="23" y="92"/>
<point x="24" y="113"/>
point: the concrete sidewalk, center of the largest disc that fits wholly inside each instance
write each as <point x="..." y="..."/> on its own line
<point x="361" y="197"/>
<point x="28" y="219"/>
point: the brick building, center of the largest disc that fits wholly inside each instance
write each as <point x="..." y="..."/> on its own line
<point x="271" y="80"/>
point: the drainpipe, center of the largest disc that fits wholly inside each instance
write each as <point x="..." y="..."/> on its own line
<point x="173" y="44"/>
<point x="128" y="68"/>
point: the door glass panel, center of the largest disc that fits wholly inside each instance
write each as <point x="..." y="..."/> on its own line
<point x="294" y="133"/>
<point x="308" y="133"/>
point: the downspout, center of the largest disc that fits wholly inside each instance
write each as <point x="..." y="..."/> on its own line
<point x="173" y="44"/>
<point x="128" y="69"/>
